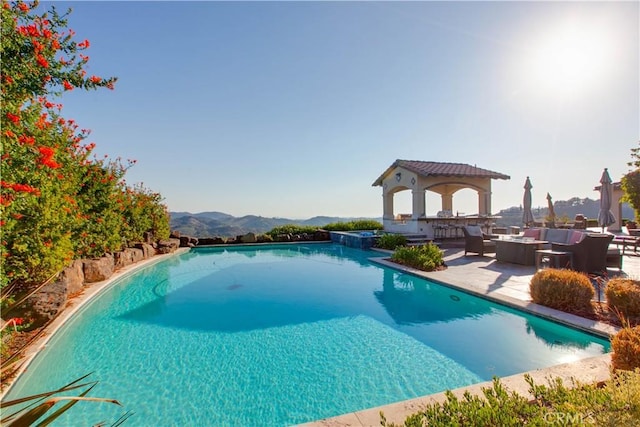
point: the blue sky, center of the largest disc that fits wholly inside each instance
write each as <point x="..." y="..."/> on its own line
<point x="293" y="109"/>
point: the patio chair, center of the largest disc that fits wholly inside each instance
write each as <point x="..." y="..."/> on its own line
<point x="476" y="241"/>
<point x="589" y="254"/>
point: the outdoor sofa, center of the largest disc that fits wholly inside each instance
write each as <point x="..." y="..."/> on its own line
<point x="591" y="252"/>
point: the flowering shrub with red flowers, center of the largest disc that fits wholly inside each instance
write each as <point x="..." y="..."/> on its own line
<point x="57" y="201"/>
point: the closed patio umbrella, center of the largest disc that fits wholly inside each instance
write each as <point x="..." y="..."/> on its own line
<point x="605" y="216"/>
<point x="527" y="214"/>
<point x="552" y="212"/>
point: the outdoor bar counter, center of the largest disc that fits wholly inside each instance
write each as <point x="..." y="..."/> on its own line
<point x="451" y="226"/>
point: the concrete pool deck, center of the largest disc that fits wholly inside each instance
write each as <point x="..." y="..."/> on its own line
<point x="508" y="284"/>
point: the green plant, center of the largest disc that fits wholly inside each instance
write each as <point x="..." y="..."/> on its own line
<point x="631" y="182"/>
<point x="615" y="403"/>
<point x="57" y="202"/>
<point x="292" y="229"/>
<point x="364" y="224"/>
<point x="562" y="289"/>
<point x="623" y="296"/>
<point x="391" y="241"/>
<point x="426" y="257"/>
<point x="626" y="348"/>
<point x="43" y="402"/>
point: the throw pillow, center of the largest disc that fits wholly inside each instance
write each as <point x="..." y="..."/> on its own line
<point x="532" y="232"/>
<point x="576" y="237"/>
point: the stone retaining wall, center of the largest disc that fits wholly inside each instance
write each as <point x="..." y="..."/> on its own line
<point x="52" y="298"/>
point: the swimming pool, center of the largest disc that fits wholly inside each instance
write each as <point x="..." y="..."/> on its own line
<point x="283" y="334"/>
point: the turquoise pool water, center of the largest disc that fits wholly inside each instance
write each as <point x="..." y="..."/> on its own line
<point x="280" y="335"/>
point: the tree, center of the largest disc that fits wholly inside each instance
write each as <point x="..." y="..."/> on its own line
<point x="631" y="182"/>
<point x="57" y="202"/>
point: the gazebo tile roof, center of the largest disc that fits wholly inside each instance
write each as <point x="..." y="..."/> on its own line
<point x="423" y="168"/>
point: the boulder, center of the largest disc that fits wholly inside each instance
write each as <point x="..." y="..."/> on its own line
<point x="137" y="255"/>
<point x="248" y="238"/>
<point x="211" y="241"/>
<point x="321" y="235"/>
<point x="188" y="242"/>
<point x="98" y="269"/>
<point x="122" y="259"/>
<point x="175" y="234"/>
<point x="128" y="256"/>
<point x="168" y="246"/>
<point x="147" y="250"/>
<point x="52" y="298"/>
<point x="147" y="237"/>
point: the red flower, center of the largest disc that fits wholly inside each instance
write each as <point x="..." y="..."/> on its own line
<point x="24" y="188"/>
<point x="23" y="7"/>
<point x="46" y="151"/>
<point x="46" y="158"/>
<point x="67" y="85"/>
<point x="95" y="79"/>
<point x="50" y="163"/>
<point x="14" y="118"/>
<point x="84" y="44"/>
<point x="28" y="140"/>
<point x="42" y="61"/>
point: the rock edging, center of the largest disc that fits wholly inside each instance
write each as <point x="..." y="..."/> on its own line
<point x="52" y="298"/>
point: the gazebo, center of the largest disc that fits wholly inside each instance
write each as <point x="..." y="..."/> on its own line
<point x="442" y="178"/>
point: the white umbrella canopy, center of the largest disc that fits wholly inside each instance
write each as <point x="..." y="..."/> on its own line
<point x="605" y="216"/>
<point x="527" y="214"/>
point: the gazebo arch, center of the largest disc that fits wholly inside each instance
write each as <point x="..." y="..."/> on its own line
<point x="444" y="179"/>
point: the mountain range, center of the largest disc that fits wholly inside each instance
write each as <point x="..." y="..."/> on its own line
<point x="219" y="224"/>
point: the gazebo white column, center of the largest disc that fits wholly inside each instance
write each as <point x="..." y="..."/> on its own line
<point x="617" y="205"/>
<point x="387" y="204"/>
<point x="447" y="202"/>
<point x="418" y="208"/>
<point x="484" y="202"/>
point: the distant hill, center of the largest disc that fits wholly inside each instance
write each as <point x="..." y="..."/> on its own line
<point x="219" y="224"/>
<point x="562" y="208"/>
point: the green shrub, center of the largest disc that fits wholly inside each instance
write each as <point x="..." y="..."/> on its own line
<point x="292" y="229"/>
<point x="626" y="349"/>
<point x="623" y="296"/>
<point x="391" y="241"/>
<point x="427" y="257"/>
<point x="562" y="289"/>
<point x="365" y="224"/>
<point x="617" y="403"/>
